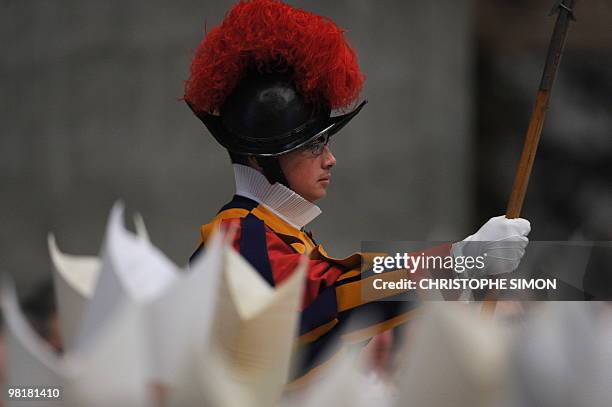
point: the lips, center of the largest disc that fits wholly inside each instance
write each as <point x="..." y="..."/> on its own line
<point x="325" y="178"/>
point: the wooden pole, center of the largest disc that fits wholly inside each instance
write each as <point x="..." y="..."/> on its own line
<point x="532" y="138"/>
<point x="536" y="123"/>
<point x="523" y="171"/>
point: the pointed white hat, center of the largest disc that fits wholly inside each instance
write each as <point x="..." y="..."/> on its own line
<point x="110" y="371"/>
<point x="75" y="279"/>
<point x="132" y="269"/>
<point x="456" y="358"/>
<point x="246" y="360"/>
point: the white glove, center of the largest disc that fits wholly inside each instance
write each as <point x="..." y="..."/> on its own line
<point x="501" y="241"/>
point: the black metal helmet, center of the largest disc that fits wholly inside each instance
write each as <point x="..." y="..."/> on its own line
<point x="266" y="116"/>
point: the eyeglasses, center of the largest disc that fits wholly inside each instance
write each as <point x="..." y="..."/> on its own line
<point x="317" y="146"/>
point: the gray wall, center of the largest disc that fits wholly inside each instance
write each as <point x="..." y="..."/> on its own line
<point x="90" y="115"/>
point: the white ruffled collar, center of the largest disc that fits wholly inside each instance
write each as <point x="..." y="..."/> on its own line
<point x="282" y="201"/>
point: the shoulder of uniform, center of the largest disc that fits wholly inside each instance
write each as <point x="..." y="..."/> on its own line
<point x="226" y="219"/>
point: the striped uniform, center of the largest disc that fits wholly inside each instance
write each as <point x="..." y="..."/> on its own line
<point x="333" y="290"/>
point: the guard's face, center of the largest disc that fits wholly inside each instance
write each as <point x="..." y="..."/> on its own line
<point x="308" y="170"/>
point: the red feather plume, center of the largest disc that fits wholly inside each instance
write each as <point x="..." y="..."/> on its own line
<point x="272" y="36"/>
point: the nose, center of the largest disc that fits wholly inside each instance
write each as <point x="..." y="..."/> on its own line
<point x="329" y="160"/>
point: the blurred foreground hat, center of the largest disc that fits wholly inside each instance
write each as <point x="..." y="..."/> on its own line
<point x="266" y="80"/>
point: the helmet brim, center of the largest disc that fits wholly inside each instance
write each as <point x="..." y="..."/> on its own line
<point x="275" y="146"/>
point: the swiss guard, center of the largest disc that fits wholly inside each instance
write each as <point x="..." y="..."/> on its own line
<point x="265" y="83"/>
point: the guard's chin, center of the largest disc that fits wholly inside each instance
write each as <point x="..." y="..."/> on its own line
<point x="322" y="193"/>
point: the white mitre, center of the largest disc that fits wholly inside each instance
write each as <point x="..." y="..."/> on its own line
<point x="557" y="356"/>
<point x="110" y="371"/>
<point x="74" y="279"/>
<point x="247" y="360"/>
<point x="456" y="358"/>
<point x="132" y="269"/>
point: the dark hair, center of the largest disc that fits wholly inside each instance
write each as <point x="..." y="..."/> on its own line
<point x="239" y="158"/>
<point x="270" y="165"/>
